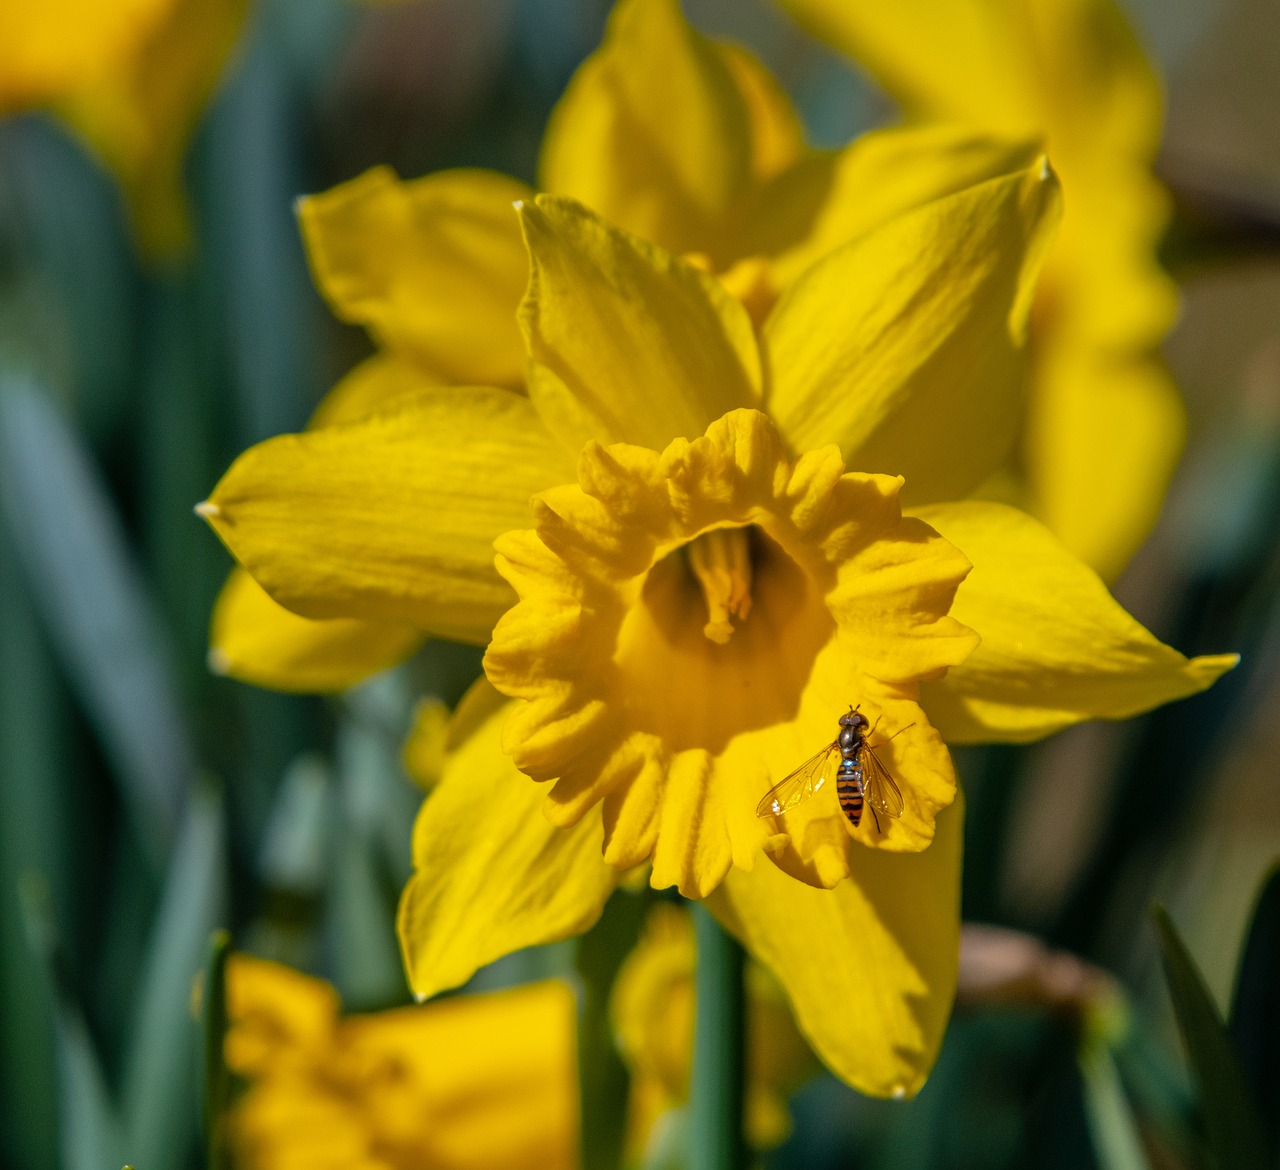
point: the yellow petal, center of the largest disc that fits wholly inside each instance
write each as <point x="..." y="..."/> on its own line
<point x="474" y="1082"/>
<point x="392" y="519"/>
<point x="50" y="48"/>
<point x="370" y="388"/>
<point x="905" y="346"/>
<point x="276" y="1016"/>
<point x="777" y="136"/>
<point x="327" y="1091"/>
<point x="1056" y="647"/>
<point x="652" y="131"/>
<point x="1102" y="441"/>
<point x="139" y="118"/>
<point x="635" y="345"/>
<point x="434" y="268"/>
<point x="963" y="59"/>
<point x="492" y="874"/>
<point x="652" y="1010"/>
<point x="258" y="641"/>
<point x="876" y="177"/>
<point x="869" y="966"/>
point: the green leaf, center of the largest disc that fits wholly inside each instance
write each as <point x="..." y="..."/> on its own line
<point x="90" y="1134"/>
<point x="1111" y="1123"/>
<point x="1255" y="1007"/>
<point x="71" y="544"/>
<point x="215" y="1085"/>
<point x="159" y="1087"/>
<point x="1235" y="1132"/>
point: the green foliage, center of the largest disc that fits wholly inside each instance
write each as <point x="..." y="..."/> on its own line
<point x="1255" y="1008"/>
<point x="1233" y="1126"/>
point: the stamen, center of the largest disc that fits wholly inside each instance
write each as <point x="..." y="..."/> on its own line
<point x="721" y="560"/>
<point x="751" y="281"/>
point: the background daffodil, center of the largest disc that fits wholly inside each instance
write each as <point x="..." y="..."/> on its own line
<point x="485" y="1081"/>
<point x="131" y="80"/>
<point x="1106" y="423"/>
<point x="710" y="588"/>
<point x="435" y="268"/>
<point x="652" y="1009"/>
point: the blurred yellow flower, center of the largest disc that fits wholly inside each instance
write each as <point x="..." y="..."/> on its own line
<point x="131" y="78"/>
<point x="693" y="614"/>
<point x="652" y="1008"/>
<point x="1106" y="423"/>
<point x="683" y="140"/>
<point x="49" y="47"/>
<point x="485" y="1081"/>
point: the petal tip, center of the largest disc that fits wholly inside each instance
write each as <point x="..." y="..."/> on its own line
<point x="207" y="510"/>
<point x="219" y="661"/>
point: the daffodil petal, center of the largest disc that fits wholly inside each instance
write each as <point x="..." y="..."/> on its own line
<point x="1104" y="437"/>
<point x="906" y="345"/>
<point x="392" y="519"/>
<point x="652" y="131"/>
<point x="50" y="48"/>
<point x="959" y="58"/>
<point x="492" y="874"/>
<point x="434" y="268"/>
<point x="139" y="117"/>
<point x="847" y="193"/>
<point x="635" y="345"/>
<point x="869" y="966"/>
<point x="1056" y="647"/>
<point x="777" y="135"/>
<point x="370" y="388"/>
<point x="258" y="641"/>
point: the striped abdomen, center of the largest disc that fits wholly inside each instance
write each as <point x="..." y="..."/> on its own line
<point x="849" y="789"/>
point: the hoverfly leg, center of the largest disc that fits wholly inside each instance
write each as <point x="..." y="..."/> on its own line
<point x="898" y="732"/>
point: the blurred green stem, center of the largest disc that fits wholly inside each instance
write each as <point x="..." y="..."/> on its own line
<point x="214" y="1086"/>
<point x="603" y="1076"/>
<point x="715" y="1140"/>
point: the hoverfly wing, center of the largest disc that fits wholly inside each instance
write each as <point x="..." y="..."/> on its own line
<point x="800" y="784"/>
<point x="878" y="786"/>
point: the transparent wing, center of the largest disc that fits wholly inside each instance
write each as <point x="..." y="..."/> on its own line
<point x="801" y="784"/>
<point x="878" y="786"/>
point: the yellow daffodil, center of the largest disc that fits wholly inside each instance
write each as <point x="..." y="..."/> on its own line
<point x="705" y="587"/>
<point x="1106" y="423"/>
<point x="50" y="47"/>
<point x="652" y="1008"/>
<point x="130" y="77"/>
<point x="680" y="139"/>
<point x="485" y="1081"/>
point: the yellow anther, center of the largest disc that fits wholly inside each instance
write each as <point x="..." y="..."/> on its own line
<point x="721" y="560"/>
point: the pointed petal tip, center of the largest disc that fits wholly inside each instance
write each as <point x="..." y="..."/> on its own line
<point x="207" y="511"/>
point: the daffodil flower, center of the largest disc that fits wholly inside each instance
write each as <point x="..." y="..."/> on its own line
<point x="1106" y="423"/>
<point x="677" y="138"/>
<point x="484" y="1081"/>
<point x="131" y="78"/>
<point x="702" y="586"/>
<point x="652" y="1008"/>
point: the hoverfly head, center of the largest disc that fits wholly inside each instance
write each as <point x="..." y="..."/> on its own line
<point x="853" y="719"/>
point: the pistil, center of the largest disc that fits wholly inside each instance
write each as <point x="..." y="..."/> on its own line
<point x="721" y="561"/>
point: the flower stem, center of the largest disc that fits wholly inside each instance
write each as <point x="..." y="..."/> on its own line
<point x="715" y="1141"/>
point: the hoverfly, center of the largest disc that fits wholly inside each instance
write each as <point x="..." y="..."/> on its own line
<point x="860" y="774"/>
